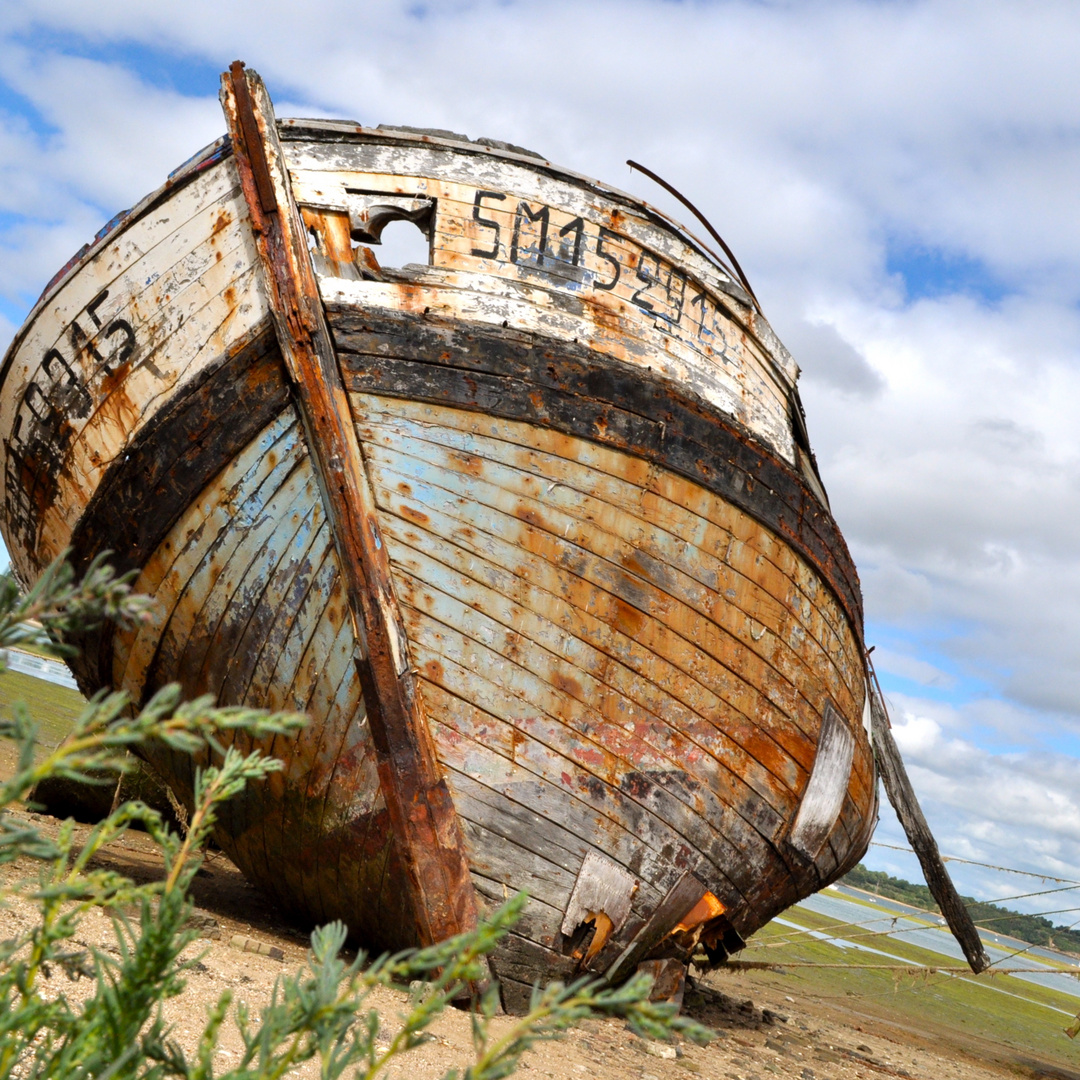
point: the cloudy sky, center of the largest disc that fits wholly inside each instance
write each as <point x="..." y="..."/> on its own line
<point x="901" y="182"/>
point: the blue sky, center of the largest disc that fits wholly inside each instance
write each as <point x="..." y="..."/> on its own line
<point x="899" y="180"/>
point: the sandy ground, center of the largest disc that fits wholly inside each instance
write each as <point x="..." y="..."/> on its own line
<point x="763" y="1027"/>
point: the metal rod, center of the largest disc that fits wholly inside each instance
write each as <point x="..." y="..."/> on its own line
<point x="704" y="221"/>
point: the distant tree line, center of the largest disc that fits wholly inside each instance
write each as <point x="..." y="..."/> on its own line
<point x="1033" y="929"/>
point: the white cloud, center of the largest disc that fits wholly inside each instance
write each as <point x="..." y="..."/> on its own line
<point x="911" y="667"/>
<point x="1016" y="810"/>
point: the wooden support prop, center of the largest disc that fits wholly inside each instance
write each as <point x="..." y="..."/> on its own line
<point x="902" y="796"/>
<point x="422" y="814"/>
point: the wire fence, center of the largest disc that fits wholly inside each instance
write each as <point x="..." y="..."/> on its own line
<point x="871" y="928"/>
<point x="988" y="866"/>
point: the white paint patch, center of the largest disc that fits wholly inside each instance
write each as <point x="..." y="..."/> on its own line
<point x="824" y="795"/>
<point x="601" y="885"/>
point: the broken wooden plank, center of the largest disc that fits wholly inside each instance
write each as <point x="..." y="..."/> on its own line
<point x="680" y="900"/>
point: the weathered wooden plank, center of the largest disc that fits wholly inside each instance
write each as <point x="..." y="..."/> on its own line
<point x="449" y="295"/>
<point x="595" y="495"/>
<point x="323" y="174"/>
<point x="467" y="734"/>
<point x="425" y="826"/>
<point x="902" y="796"/>
<point x="336" y="697"/>
<point x="516" y="780"/>
<point x="568" y="693"/>
<point x="525" y="730"/>
<point x="113" y="334"/>
<point x="539" y="921"/>
<point x="622" y="715"/>
<point x="515" y="963"/>
<point x="232" y="495"/>
<point x="106" y="266"/>
<point x="186" y="560"/>
<point x="208" y="592"/>
<point x="595" y="712"/>
<point x="463" y="182"/>
<point x="570" y="727"/>
<point x="707" y="523"/>
<point x="166" y="466"/>
<point x="256" y="616"/>
<point x="472" y="464"/>
<point x="592" y="494"/>
<point x="409" y="521"/>
<point x="318" y="651"/>
<point x="198" y="614"/>
<point x="823" y="798"/>
<point x="620" y="604"/>
<point x="403" y="501"/>
<point x="520" y="825"/>
<point x="510" y="809"/>
<point x="624" y="700"/>
<point x="514" y="867"/>
<point x="248" y="576"/>
<point x="664" y="680"/>
<point x="582" y="392"/>
<point x="272" y="673"/>
<point x="102" y="441"/>
<point x="603" y="895"/>
<point x="279" y="640"/>
<point x="550" y="505"/>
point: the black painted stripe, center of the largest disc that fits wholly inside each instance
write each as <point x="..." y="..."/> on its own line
<point x="178" y="452"/>
<point x="521" y="376"/>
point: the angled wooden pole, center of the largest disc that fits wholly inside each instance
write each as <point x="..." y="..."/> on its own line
<point x="426" y="828"/>
<point x="902" y="796"/>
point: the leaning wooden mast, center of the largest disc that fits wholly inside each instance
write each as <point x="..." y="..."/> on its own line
<point x="426" y="830"/>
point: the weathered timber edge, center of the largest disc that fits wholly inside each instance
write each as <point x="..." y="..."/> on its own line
<point x="518" y="375"/>
<point x="425" y="825"/>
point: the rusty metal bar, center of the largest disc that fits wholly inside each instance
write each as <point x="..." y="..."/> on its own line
<point x="426" y="828"/>
<point x="671" y="190"/>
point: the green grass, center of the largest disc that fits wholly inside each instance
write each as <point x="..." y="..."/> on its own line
<point x="1034" y="929"/>
<point x="1022" y="1018"/>
<point x="53" y="707"/>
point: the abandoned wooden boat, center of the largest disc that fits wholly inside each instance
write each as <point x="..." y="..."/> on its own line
<point x="532" y="532"/>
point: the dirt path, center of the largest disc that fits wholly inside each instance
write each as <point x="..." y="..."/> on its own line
<point x="765" y="1026"/>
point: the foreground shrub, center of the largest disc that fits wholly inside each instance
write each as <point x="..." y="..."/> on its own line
<point x="118" y="1029"/>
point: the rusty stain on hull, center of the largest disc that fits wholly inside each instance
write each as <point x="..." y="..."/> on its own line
<point x="532" y="532"/>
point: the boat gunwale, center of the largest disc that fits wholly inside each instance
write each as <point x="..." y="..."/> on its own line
<point x="751" y="320"/>
<point x="537" y="162"/>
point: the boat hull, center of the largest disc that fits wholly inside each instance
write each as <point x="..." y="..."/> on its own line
<point x="632" y="626"/>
